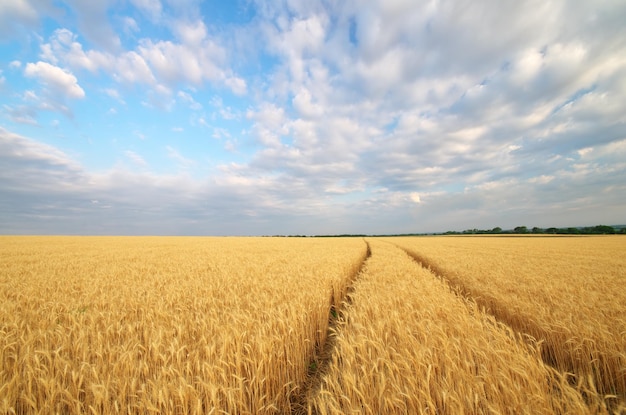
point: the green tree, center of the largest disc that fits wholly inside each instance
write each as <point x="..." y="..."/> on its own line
<point x="521" y="229"/>
<point x="603" y="229"/>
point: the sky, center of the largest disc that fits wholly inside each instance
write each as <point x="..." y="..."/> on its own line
<point x="259" y="117"/>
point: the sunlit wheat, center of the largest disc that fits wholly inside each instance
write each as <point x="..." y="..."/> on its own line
<point x="164" y="325"/>
<point x="409" y="345"/>
<point x="566" y="292"/>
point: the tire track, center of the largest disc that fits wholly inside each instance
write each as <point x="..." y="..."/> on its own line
<point x="549" y="344"/>
<point x="490" y="305"/>
<point x="324" y="352"/>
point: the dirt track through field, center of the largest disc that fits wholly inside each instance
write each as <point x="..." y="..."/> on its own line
<point x="324" y="352"/>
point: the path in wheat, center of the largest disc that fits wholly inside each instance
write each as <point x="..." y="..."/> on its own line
<point x="321" y="360"/>
<point x="403" y="342"/>
<point x="553" y="351"/>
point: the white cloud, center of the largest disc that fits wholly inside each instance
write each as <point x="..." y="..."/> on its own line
<point x="527" y="66"/>
<point x="16" y="13"/>
<point x="219" y="133"/>
<point x="22" y="114"/>
<point x="56" y="185"/>
<point x="189" y="100"/>
<point x="28" y="164"/>
<point x="135" y="158"/>
<point x="200" y="121"/>
<point x="64" y="48"/>
<point x="182" y="161"/>
<point x="270" y="124"/>
<point x="543" y="179"/>
<point x="114" y="93"/>
<point x="409" y="112"/>
<point x="236" y="84"/>
<point x="21" y="9"/>
<point x="58" y="80"/>
<point x="228" y="113"/>
<point x="93" y="22"/>
<point x="131" y="68"/>
<point x="130" y="25"/>
<point x="126" y="67"/>
<point x="175" y="63"/>
<point x="305" y="35"/>
<point x="415" y="197"/>
<point x="197" y="60"/>
<point x="190" y="33"/>
<point x="151" y="8"/>
<point x="470" y="134"/>
<point x="306" y="108"/>
<point x="58" y="86"/>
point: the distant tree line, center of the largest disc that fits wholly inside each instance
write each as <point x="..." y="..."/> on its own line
<point x="589" y="230"/>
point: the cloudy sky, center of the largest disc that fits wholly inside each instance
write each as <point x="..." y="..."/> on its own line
<point x="255" y="117"/>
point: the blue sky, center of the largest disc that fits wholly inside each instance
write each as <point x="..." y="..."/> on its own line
<point x="291" y="117"/>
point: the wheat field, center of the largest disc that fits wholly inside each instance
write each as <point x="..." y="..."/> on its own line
<point x="408" y="345"/>
<point x="164" y="325"/>
<point x="203" y="325"/>
<point x="567" y="292"/>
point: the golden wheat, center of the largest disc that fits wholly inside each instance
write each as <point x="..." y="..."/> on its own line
<point x="407" y="344"/>
<point x="567" y="292"/>
<point x="148" y="325"/>
<point x="164" y="325"/>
